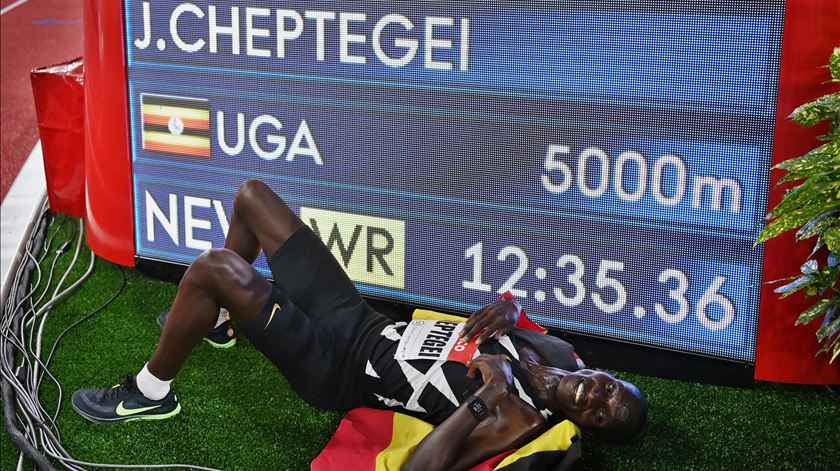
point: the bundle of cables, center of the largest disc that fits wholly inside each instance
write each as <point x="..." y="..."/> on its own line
<point x="34" y="291"/>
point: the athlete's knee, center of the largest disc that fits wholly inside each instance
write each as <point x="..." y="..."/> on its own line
<point x="231" y="280"/>
<point x="252" y="187"/>
<point x="218" y="257"/>
<point x="213" y="267"/>
<point x="251" y="193"/>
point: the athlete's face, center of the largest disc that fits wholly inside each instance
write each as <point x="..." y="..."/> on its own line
<point x="599" y="402"/>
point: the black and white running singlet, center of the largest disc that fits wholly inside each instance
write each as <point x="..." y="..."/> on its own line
<point x="427" y="389"/>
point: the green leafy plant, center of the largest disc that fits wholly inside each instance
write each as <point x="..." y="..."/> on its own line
<point x="813" y="206"/>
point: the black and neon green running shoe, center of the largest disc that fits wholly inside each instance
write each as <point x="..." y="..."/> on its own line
<point x="123" y="402"/>
<point x="222" y="336"/>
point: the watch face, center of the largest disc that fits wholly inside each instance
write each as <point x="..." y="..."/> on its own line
<point x="478" y="408"/>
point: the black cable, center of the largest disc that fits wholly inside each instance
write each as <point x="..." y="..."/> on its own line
<point x="76" y="324"/>
<point x="9" y="399"/>
<point x="58" y="253"/>
<point x="42" y="313"/>
<point x="89" y="315"/>
<point x="27" y="399"/>
<point x="15" y="434"/>
<point x="40" y="440"/>
<point x="19" y="291"/>
<point x="33" y="306"/>
<point x="49" y="241"/>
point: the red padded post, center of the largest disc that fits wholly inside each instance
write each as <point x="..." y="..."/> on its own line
<point x="110" y="227"/>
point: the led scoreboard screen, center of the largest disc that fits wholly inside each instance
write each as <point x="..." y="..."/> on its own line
<point x="605" y="161"/>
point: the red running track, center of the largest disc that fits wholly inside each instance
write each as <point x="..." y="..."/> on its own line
<point x="33" y="34"/>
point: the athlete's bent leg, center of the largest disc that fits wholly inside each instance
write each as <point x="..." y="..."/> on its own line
<point x="260" y="219"/>
<point x="303" y="350"/>
<point x="217" y="278"/>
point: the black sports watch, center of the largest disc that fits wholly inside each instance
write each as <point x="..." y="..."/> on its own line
<point x="478" y="408"/>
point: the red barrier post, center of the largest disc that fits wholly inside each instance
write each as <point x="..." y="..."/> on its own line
<point x="110" y="210"/>
<point x="60" y="107"/>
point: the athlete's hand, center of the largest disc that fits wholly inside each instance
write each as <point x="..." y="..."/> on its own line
<point x="495" y="319"/>
<point x="497" y="375"/>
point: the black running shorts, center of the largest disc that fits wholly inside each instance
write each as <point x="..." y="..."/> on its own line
<point x="315" y="325"/>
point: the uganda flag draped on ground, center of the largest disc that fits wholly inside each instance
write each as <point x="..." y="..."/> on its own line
<point x="176" y="125"/>
<point x="381" y="440"/>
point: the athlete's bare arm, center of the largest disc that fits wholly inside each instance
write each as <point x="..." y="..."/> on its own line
<point x="462" y="441"/>
<point x="495" y="319"/>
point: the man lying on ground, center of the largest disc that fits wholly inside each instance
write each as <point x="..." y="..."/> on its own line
<point x="337" y="353"/>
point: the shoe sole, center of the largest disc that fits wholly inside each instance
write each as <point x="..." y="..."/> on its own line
<point x="129" y="418"/>
<point x="213" y="344"/>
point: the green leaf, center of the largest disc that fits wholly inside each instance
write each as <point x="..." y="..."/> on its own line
<point x="811" y="159"/>
<point x="800" y="282"/>
<point x="813" y="312"/>
<point x="816" y="226"/>
<point x="807" y="159"/>
<point x="836" y="350"/>
<point x="834" y="64"/>
<point x="817" y="188"/>
<point x="832" y="134"/>
<point x="827" y="330"/>
<point x="798" y="217"/>
<point x="824" y="107"/>
<point x="817" y="246"/>
<point x="810" y="164"/>
<point x="831" y="237"/>
<point x="813" y="284"/>
<point x="826" y="346"/>
<point x="832" y="148"/>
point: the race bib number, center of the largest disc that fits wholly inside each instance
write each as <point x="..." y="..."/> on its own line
<point x="435" y="340"/>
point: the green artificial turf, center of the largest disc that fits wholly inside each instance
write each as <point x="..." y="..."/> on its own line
<point x="239" y="413"/>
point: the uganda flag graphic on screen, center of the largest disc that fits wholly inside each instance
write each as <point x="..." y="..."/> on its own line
<point x="176" y="125"/>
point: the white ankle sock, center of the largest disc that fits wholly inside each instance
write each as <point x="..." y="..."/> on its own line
<point x="151" y="387"/>
<point x="224" y="316"/>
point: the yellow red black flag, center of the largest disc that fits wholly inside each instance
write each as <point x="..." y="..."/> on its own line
<point x="176" y="125"/>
